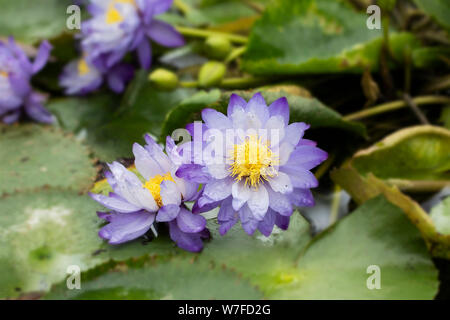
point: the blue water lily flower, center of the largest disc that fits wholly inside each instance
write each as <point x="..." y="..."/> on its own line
<point x="121" y="26"/>
<point x="80" y="77"/>
<point x="260" y="174"/>
<point x="136" y="205"/>
<point x="16" y="94"/>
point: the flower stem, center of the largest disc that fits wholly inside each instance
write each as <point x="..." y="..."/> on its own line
<point x="323" y="168"/>
<point x="418" y="186"/>
<point x="394" y="105"/>
<point x="189" y="84"/>
<point x="201" y="33"/>
<point x="230" y="83"/>
<point x="241" y="83"/>
<point x="335" y="204"/>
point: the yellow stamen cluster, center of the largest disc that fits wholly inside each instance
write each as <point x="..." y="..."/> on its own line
<point x="253" y="161"/>
<point x="4" y="74"/>
<point x="154" y="186"/>
<point x="83" y="67"/>
<point x="113" y="15"/>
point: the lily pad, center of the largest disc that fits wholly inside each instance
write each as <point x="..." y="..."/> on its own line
<point x="217" y="12"/>
<point x="33" y="21"/>
<point x="41" y="235"/>
<point x="223" y="15"/>
<point x="25" y="165"/>
<point x="268" y="262"/>
<point x="286" y="265"/>
<point x="335" y="264"/>
<point x="175" y="278"/>
<point x="415" y="153"/>
<point x="363" y="189"/>
<point x="316" y="36"/>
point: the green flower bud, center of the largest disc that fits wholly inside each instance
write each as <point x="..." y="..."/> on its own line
<point x="211" y="74"/>
<point x="164" y="79"/>
<point x="217" y="47"/>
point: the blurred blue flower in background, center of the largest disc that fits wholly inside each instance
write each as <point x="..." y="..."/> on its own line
<point x="116" y="28"/>
<point x="81" y="77"/>
<point x="16" y="94"/>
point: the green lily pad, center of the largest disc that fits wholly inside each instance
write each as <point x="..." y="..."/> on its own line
<point x="440" y="214"/>
<point x="415" y="153"/>
<point x="267" y="262"/>
<point x="35" y="156"/>
<point x="363" y="188"/>
<point x="335" y="264"/>
<point x="175" y="278"/>
<point x="41" y="235"/>
<point x="286" y="265"/>
<point x="316" y="36"/>
<point x="32" y="21"/>
<point x="220" y="14"/>
<point x="162" y="246"/>
<point x="217" y="12"/>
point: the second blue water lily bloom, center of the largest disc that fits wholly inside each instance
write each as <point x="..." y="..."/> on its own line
<point x="136" y="205"/>
<point x="121" y="26"/>
<point x="80" y="77"/>
<point x="16" y="94"/>
<point x="262" y="174"/>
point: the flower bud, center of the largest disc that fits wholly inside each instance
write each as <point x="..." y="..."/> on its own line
<point x="211" y="74"/>
<point x="217" y="47"/>
<point x="164" y="79"/>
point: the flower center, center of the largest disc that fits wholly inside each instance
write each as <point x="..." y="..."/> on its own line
<point x="83" y="67"/>
<point x="113" y="15"/>
<point x="154" y="186"/>
<point x="253" y="161"/>
<point x="4" y="74"/>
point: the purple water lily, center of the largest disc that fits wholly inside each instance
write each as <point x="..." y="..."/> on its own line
<point x="260" y="174"/>
<point x="16" y="94"/>
<point x="121" y="26"/>
<point x="136" y="205"/>
<point x="80" y="77"/>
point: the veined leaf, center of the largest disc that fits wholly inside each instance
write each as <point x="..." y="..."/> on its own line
<point x="34" y="156"/>
<point x="316" y="36"/>
<point x="33" y="21"/>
